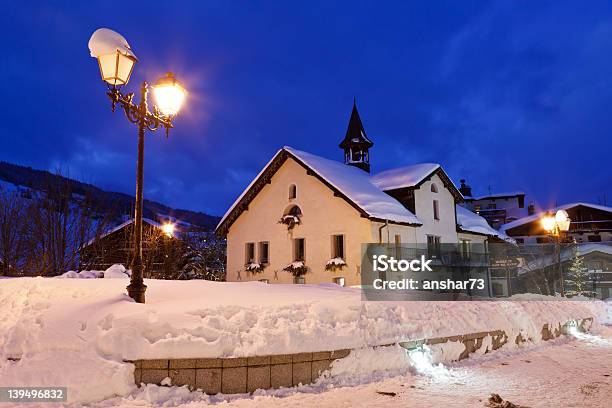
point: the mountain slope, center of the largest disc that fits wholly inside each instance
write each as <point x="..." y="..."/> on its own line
<point x="119" y="203"/>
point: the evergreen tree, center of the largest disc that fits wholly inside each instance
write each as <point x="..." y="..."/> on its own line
<point x="578" y="272"/>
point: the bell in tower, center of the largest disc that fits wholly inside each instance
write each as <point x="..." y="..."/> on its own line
<point x="356" y="144"/>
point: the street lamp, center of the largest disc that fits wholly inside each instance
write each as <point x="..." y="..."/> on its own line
<point x="116" y="60"/>
<point x="168" y="229"/>
<point x="555" y="225"/>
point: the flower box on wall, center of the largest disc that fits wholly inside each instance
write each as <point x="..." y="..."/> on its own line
<point x="335" y="264"/>
<point x="296" y="268"/>
<point x="290" y="221"/>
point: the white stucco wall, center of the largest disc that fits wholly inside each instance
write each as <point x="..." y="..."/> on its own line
<point x="446" y="227"/>
<point x="324" y="215"/>
<point x="473" y="238"/>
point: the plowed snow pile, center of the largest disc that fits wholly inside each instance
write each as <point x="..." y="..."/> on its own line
<point x="67" y="332"/>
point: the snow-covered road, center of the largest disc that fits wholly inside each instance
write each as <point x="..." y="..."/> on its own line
<point x="562" y="373"/>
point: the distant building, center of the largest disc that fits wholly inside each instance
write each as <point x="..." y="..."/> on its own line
<point x="597" y="264"/>
<point x="589" y="223"/>
<point x="161" y="253"/>
<point x="304" y="218"/>
<point x="498" y="208"/>
<point x="590" y="229"/>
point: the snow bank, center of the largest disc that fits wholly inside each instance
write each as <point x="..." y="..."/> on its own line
<point x="371" y="362"/>
<point x="68" y="331"/>
<point x="115" y="271"/>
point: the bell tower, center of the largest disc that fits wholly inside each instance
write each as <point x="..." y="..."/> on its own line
<point x="356" y="144"/>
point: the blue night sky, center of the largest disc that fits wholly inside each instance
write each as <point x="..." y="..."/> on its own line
<point x="512" y="95"/>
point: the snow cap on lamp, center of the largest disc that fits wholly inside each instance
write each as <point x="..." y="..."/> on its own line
<point x="114" y="54"/>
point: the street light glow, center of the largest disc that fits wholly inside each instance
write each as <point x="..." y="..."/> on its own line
<point x="168" y="229"/>
<point x="548" y="223"/>
<point x="169" y="94"/>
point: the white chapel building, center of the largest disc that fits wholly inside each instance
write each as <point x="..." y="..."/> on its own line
<point x="310" y="215"/>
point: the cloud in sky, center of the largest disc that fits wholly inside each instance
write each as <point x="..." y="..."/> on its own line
<point x="508" y="96"/>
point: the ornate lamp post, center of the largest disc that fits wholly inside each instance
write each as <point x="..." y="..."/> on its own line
<point x="116" y="61"/>
<point x="555" y="226"/>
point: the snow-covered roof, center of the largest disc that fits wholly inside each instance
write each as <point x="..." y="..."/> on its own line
<point x="496" y="195"/>
<point x="358" y="186"/>
<point x="537" y="216"/>
<point x="408" y="176"/>
<point x="118" y="227"/>
<point x="472" y="222"/>
<point x="355" y="184"/>
<point x="567" y="254"/>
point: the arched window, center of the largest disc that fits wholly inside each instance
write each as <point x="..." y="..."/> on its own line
<point x="294" y="210"/>
<point x="434" y="188"/>
<point x="292" y="191"/>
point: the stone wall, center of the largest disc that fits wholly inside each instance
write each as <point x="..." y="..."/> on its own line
<point x="238" y="375"/>
<point x="247" y="374"/>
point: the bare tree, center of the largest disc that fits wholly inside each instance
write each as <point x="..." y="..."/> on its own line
<point x="58" y="224"/>
<point x="11" y="232"/>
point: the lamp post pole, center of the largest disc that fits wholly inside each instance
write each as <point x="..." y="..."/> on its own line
<point x="555" y="225"/>
<point x="136" y="289"/>
<point x="558" y="259"/>
<point x="116" y="61"/>
<point x="145" y="120"/>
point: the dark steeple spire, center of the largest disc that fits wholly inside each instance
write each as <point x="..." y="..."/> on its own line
<point x="356" y="144"/>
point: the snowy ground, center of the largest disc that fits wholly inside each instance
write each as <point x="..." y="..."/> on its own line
<point x="76" y="332"/>
<point x="568" y="372"/>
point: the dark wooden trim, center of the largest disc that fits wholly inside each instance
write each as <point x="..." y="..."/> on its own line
<point x="409" y="224"/>
<point x="459" y="229"/>
<point x="243" y="205"/>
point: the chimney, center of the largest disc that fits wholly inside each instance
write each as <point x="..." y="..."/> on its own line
<point x="531" y="209"/>
<point x="465" y="189"/>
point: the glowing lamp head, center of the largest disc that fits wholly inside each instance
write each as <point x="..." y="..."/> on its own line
<point x="168" y="229"/>
<point x="115" y="57"/>
<point x="169" y="94"/>
<point x="548" y="222"/>
<point x="563" y="220"/>
<point x="116" y="68"/>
